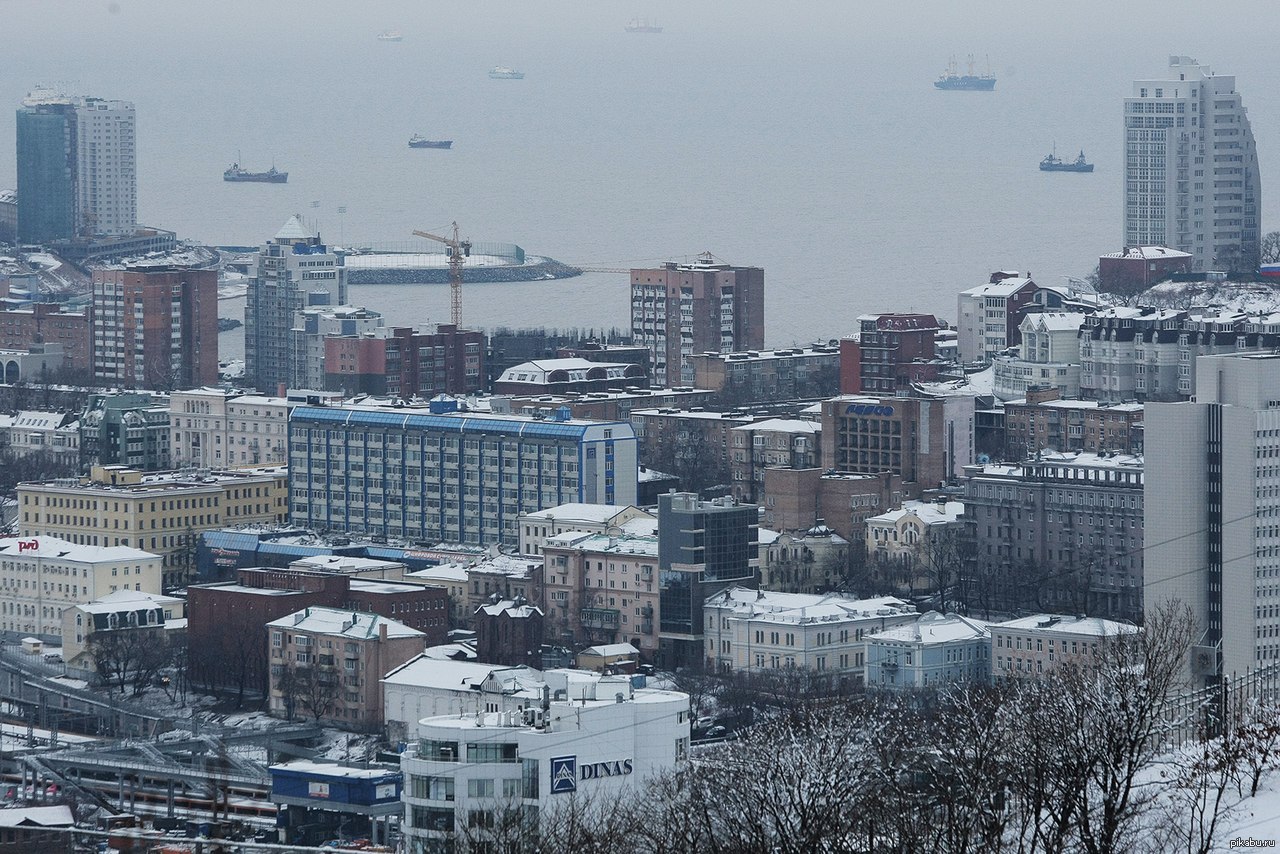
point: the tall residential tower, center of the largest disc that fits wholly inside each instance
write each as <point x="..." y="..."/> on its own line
<point x="1191" y="168"/>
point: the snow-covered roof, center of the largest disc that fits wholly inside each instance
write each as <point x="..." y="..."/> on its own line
<point x="344" y="563"/>
<point x="1003" y="288"/>
<point x="599" y="514"/>
<point x="784" y="425"/>
<point x="342" y="623"/>
<point x="444" y="674"/>
<point x="609" y="650"/>
<point x="928" y="512"/>
<point x="980" y="383"/>
<point x="126" y="600"/>
<point x="794" y="608"/>
<point x="57" y="816"/>
<point x="508" y="606"/>
<point x="934" y="628"/>
<point x="575" y="369"/>
<point x="764" y="536"/>
<point x="1091" y="626"/>
<point x="455" y="572"/>
<point x="1147" y="253"/>
<point x="1055" y="321"/>
<point x="332" y="769"/>
<point x="34" y="420"/>
<point x="293" y="230"/>
<point x="53" y="548"/>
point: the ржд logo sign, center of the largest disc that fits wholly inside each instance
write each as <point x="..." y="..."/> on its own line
<point x="564" y="774"/>
<point x="28" y="545"/>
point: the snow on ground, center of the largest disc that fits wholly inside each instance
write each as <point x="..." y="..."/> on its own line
<point x="1249" y="297"/>
<point x="1257" y="817"/>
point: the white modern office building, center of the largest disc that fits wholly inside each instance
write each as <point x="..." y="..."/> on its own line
<point x="1213" y="511"/>
<point x="1191" y="168"/>
<point x="106" y="180"/>
<point x="439" y="474"/>
<point x="590" y="740"/>
<point x="40" y="577"/>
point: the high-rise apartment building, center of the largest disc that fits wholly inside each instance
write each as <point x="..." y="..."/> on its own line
<point x="295" y="271"/>
<point x="1213" y="511"/>
<point x="678" y="310"/>
<point x="76" y="168"/>
<point x="155" y="327"/>
<point x="1191" y="168"/>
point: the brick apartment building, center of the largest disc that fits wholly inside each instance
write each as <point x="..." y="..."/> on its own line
<point x="226" y="619"/>
<point x="404" y="362"/>
<point x="50" y="323"/>
<point x="1042" y="421"/>
<point x="890" y="352"/>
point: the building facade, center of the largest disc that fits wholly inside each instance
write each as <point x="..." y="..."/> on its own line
<point x="106" y="168"/>
<point x="703" y="547"/>
<point x="1213" y="497"/>
<point x="600" y="589"/>
<point x="1049" y="356"/>
<point x="787" y="442"/>
<point x="1061" y="531"/>
<point x="162" y="512"/>
<point x="155" y="327"/>
<point x="890" y="352"/>
<point x="989" y="316"/>
<point x="442" y="475"/>
<point x="1134" y="269"/>
<point x="129" y="430"/>
<point x="44" y="323"/>
<point x="678" y="310"/>
<point x="596" y="736"/>
<point x="214" y="427"/>
<point x="811" y="561"/>
<point x="407" y="363"/>
<point x="756" y="630"/>
<point x="295" y="271"/>
<point x="1029" y="646"/>
<point x="46" y="161"/>
<point x="569" y="376"/>
<point x="1043" y="422"/>
<point x="327" y="665"/>
<point x="536" y="527"/>
<point x="1191" y="168"/>
<point x="799" y="499"/>
<point x="41" y="577"/>
<point x="313" y="326"/>
<point x="765" y="375"/>
<point x="936" y="649"/>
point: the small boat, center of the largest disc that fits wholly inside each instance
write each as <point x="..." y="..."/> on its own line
<point x="419" y="141"/>
<point x="953" y="80"/>
<point x="501" y="72"/>
<point x="271" y="176"/>
<point x="642" y="25"/>
<point x="1053" y="163"/>
<point x="390" y="36"/>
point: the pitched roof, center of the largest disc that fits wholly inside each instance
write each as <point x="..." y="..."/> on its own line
<point x="293" y="230"/>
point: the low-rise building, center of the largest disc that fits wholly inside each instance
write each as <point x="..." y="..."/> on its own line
<point x="758" y="630"/>
<point x="1027" y="647"/>
<point x="933" y="650"/>
<point x="1136" y="268"/>
<point x="890" y="352"/>
<point x="596" y="736"/>
<point x="37" y="363"/>
<point x="328" y="664"/>
<point x="124" y="609"/>
<point x="56" y="433"/>
<point x="798" y="499"/>
<point x="214" y="427"/>
<point x="426" y="686"/>
<point x="1043" y="422"/>
<point x="570" y="375"/>
<point x="811" y="561"/>
<point x="989" y="316"/>
<point x="536" y="527"/>
<point x="753" y="376"/>
<point x="1049" y="356"/>
<point x="41" y="577"/>
<point x="602" y="589"/>
<point x="917" y="543"/>
<point x="509" y="632"/>
<point x="51" y="323"/>
<point x="162" y="512"/>
<point x="125" y="430"/>
<point x="44" y="829"/>
<point x="472" y="583"/>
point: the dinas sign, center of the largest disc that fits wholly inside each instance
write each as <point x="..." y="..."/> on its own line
<point x="28" y="545"/>
<point x="566" y="772"/>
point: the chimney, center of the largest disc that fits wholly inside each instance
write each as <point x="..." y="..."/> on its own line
<point x="281" y="390"/>
<point x="382" y="632"/>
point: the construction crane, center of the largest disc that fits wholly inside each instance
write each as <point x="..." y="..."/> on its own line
<point x="458" y="249"/>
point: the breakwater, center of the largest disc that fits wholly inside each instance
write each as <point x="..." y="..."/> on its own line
<point x="544" y="268"/>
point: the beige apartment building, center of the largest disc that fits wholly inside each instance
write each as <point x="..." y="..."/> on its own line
<point x="213" y="428"/>
<point x="40" y="577"/>
<point x="161" y="512"/>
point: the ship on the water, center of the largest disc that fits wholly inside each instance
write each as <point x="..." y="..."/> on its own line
<point x="501" y="72"/>
<point x="420" y="141"/>
<point x="271" y="176"/>
<point x="390" y="36"/>
<point x="642" y="25"/>
<point x="952" y="79"/>
<point x="1053" y="163"/>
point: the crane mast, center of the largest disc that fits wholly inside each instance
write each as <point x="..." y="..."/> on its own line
<point x="458" y="249"/>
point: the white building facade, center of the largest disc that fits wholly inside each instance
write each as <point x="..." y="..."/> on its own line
<point x="40" y="577"/>
<point x="1029" y="646"/>
<point x="216" y="428"/>
<point x="594" y="737"/>
<point x="757" y="630"/>
<point x="933" y="650"/>
<point x="106" y="166"/>
<point x="537" y="526"/>
<point x="1049" y="356"/>
<point x="1191" y="168"/>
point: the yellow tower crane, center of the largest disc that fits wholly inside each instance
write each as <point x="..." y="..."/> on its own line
<point x="458" y="249"/>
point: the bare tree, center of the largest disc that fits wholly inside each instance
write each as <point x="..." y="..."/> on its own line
<point x="1271" y="247"/>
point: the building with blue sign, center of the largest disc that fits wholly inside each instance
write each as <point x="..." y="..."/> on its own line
<point x="438" y="474"/>
<point x="318" y="798"/>
<point x="598" y="736"/>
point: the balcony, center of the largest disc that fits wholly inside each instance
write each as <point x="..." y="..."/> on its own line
<point x="600" y="618"/>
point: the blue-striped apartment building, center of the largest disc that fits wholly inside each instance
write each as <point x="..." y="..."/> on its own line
<point x="429" y="474"/>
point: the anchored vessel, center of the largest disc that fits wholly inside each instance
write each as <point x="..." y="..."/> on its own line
<point x="1053" y="163"/>
<point x="954" y="80"/>
<point x="271" y="176"/>
<point x="501" y="72"/>
<point x="390" y="36"/>
<point x="419" y="141"/>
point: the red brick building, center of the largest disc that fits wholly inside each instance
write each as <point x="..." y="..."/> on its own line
<point x="509" y="632"/>
<point x="1136" y="268"/>
<point x="1043" y="422"/>
<point x="47" y="323"/>
<point x="404" y="362"/>
<point x="890" y="352"/>
<point x="798" y="499"/>
<point x="155" y="327"/>
<point x="226" y="620"/>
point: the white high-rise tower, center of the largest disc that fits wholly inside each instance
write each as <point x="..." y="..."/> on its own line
<point x="106" y="172"/>
<point x="1191" y="168"/>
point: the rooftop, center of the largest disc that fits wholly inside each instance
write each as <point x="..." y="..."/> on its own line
<point x="784" y="425"/>
<point x="801" y="608"/>
<point x="627" y="544"/>
<point x="423" y="671"/>
<point x="1091" y="626"/>
<point x="1003" y="288"/>
<point x="126" y="600"/>
<point x="54" y="548"/>
<point x="347" y="624"/>
<point x="929" y="512"/>
<point x="934" y="628"/>
<point x="597" y="513"/>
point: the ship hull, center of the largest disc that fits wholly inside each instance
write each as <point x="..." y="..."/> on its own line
<point x="432" y="143"/>
<point x="966" y="84"/>
<point x="643" y="29"/>
<point x="251" y="178"/>
<point x="1066" y="167"/>
<point x="512" y="75"/>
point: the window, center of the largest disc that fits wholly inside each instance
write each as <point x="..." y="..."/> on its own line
<point x="491" y="752"/>
<point x="480" y="788"/>
<point x="438" y="751"/>
<point x="431" y="788"/>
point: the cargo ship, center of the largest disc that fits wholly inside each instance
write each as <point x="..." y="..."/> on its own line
<point x="1053" y="163"/>
<point x="953" y="80"/>
<point x="419" y="141"/>
<point x="639" y="25"/>
<point x="271" y="176"/>
<point x="501" y="72"/>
